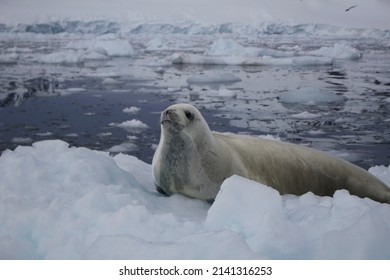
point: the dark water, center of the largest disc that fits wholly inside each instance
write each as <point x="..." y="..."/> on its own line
<point x="84" y="118"/>
<point x="351" y="108"/>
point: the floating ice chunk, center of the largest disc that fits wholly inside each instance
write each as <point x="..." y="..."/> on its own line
<point x="103" y="47"/>
<point x="62" y="57"/>
<point x="104" y="134"/>
<point x="95" y="54"/>
<point x="316" y="132"/>
<point x="212" y="78"/>
<point x="229" y="47"/>
<point x="309" y="97"/>
<point x="305" y="115"/>
<point x="19" y="50"/>
<point x="22" y="140"/>
<point x="10" y="58"/>
<point x="72" y="135"/>
<point x="249" y="61"/>
<point x="124" y="147"/>
<point x="224" y="92"/>
<point x="132" y="137"/>
<point x="156" y="44"/>
<point x="339" y="51"/>
<point x="196" y="59"/>
<point x="162" y="44"/>
<point x="131" y="110"/>
<point x="174" y="89"/>
<point x="75" y="89"/>
<point x="102" y="74"/>
<point x="116" y="47"/>
<point x="111" y="81"/>
<point x="132" y="125"/>
<point x="44" y="134"/>
<point x="311" y="61"/>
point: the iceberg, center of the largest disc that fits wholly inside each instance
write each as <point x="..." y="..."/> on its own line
<point x="339" y="51"/>
<point x="229" y="47"/>
<point x="189" y="27"/>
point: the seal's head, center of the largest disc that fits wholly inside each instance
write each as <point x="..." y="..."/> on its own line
<point x="177" y="117"/>
<point x="184" y="134"/>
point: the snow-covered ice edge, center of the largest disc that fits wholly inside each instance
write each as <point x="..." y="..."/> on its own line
<point x="61" y="202"/>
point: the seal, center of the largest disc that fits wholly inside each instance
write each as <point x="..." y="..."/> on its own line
<point x="194" y="161"/>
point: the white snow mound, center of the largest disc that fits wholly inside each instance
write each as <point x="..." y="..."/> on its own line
<point x="61" y="202"/>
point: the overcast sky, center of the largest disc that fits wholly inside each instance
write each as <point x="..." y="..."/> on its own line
<point x="368" y="13"/>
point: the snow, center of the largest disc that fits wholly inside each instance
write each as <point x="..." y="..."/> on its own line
<point x="62" y="202"/>
<point x="196" y="246"/>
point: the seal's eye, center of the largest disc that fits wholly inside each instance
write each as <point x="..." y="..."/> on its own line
<point x="189" y="115"/>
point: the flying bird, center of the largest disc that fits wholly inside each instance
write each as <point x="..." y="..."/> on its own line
<point x="350" y="8"/>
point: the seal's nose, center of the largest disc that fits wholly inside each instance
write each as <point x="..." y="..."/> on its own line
<point x="168" y="112"/>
